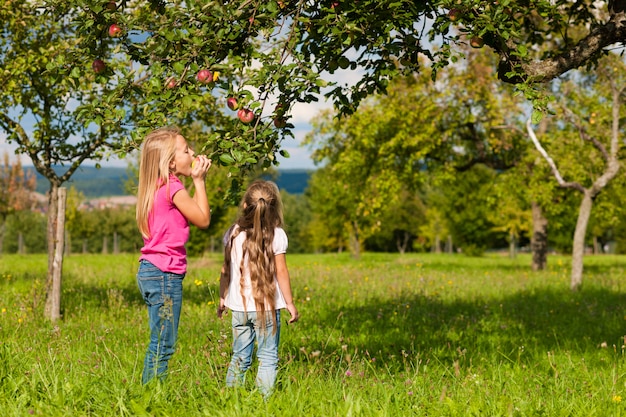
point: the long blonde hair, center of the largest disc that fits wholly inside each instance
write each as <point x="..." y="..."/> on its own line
<point x="261" y="210"/>
<point x="158" y="150"/>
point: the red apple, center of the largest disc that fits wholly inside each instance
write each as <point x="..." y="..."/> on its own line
<point x="171" y="83"/>
<point x="454" y="14"/>
<point x="98" y="66"/>
<point x="245" y="115"/>
<point x="112" y="6"/>
<point x="231" y="102"/>
<point x="477" y="42"/>
<point x="115" y="30"/>
<point x="205" y="76"/>
<point x="279" y="122"/>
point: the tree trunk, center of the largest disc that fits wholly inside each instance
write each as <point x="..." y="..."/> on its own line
<point x="84" y="245"/>
<point x="437" y="245"/>
<point x="2" y="229"/>
<point x="56" y="228"/>
<point x="596" y="246"/>
<point x="20" y="243"/>
<point x="539" y="239"/>
<point x="354" y="240"/>
<point x="512" y="245"/>
<point x="105" y="244"/>
<point x="449" y="248"/>
<point x="116" y="243"/>
<point x="402" y="244"/>
<point x="578" y="250"/>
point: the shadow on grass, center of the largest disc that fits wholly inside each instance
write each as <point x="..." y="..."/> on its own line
<point x="536" y="321"/>
<point x="79" y="294"/>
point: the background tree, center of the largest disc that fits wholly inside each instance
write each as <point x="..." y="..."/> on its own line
<point x="400" y="223"/>
<point x="467" y="209"/>
<point x="597" y="140"/>
<point x="298" y="215"/>
<point x="330" y="212"/>
<point x="73" y="200"/>
<point x="47" y="81"/>
<point x="16" y="191"/>
<point x="26" y="232"/>
<point x="510" y="212"/>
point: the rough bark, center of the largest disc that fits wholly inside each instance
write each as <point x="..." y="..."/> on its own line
<point x="56" y="237"/>
<point x="578" y="249"/>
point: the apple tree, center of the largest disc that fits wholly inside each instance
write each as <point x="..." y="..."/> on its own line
<point x="47" y="81"/>
<point x="584" y="154"/>
<point x="259" y="58"/>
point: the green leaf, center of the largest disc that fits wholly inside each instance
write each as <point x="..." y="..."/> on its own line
<point x="227" y="159"/>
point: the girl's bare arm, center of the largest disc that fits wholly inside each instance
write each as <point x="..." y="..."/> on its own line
<point x="284" y="282"/>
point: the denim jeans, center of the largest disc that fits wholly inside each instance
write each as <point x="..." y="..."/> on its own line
<point x="163" y="294"/>
<point x="245" y="331"/>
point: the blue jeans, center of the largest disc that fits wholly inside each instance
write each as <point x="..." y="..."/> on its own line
<point x="163" y="294"/>
<point x="245" y="331"/>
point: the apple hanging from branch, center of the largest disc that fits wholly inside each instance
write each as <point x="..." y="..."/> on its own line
<point x="205" y="76"/>
<point x="115" y="30"/>
<point x="98" y="66"/>
<point x="477" y="42"/>
<point x="231" y="102"/>
<point x="245" y="115"/>
<point x="171" y="83"/>
<point x="454" y="14"/>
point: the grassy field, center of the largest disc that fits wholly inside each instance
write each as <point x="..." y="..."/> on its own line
<point x="388" y="335"/>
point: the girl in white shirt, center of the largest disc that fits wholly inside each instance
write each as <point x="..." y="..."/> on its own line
<point x="255" y="284"/>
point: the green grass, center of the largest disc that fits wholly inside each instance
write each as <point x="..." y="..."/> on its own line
<point x="389" y="335"/>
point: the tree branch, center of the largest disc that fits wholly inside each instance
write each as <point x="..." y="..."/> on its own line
<point x="547" y="157"/>
<point x="582" y="132"/>
<point x="612" y="32"/>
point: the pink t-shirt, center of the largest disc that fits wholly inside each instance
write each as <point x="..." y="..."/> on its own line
<point x="169" y="231"/>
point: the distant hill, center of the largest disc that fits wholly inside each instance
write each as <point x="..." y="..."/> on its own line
<point x="91" y="181"/>
<point x="105" y="182"/>
<point x="294" y="181"/>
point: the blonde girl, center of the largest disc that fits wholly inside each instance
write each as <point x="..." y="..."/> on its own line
<point x="255" y="284"/>
<point x="164" y="211"/>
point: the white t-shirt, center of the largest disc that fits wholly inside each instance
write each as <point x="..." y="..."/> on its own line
<point x="234" y="297"/>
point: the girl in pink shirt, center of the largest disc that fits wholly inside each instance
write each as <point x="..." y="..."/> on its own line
<point x="164" y="211"/>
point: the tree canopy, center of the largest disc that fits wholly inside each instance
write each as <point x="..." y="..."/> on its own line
<point x="175" y="61"/>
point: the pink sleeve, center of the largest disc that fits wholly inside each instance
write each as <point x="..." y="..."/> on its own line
<point x="175" y="186"/>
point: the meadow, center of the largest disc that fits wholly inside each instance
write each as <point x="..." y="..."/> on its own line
<point x="386" y="335"/>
